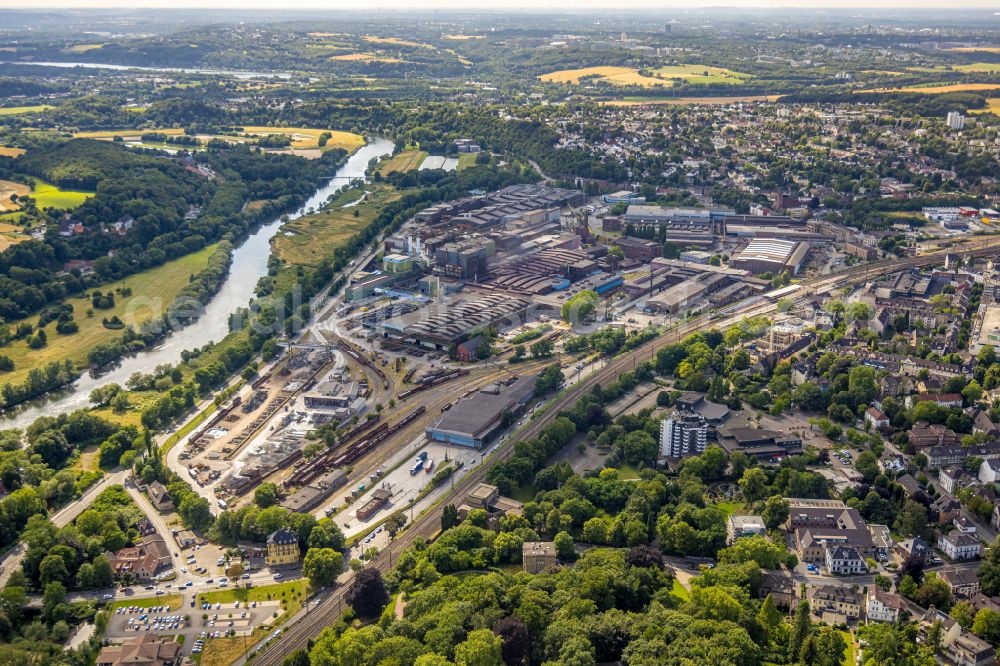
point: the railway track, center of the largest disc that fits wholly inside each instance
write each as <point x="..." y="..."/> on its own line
<point x="328" y="609"/>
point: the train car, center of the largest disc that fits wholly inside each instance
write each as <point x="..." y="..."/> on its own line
<point x="784" y="292"/>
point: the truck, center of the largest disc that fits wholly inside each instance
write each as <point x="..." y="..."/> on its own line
<point x="416" y="466"/>
<point x="422" y="456"/>
<point x="223" y="504"/>
<point x="429" y="466"/>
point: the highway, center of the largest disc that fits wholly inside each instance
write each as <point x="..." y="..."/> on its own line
<point x="326" y="610"/>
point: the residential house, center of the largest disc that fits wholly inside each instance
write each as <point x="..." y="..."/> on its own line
<point x="159" y="497"/>
<point x="881" y="541"/>
<point x="982" y="425"/>
<point x="537" y="556"/>
<point x="939" y="456"/>
<point x="924" y="435"/>
<point x="142" y="562"/>
<point x="913" y="489"/>
<point x="945" y="509"/>
<point x="819" y="524"/>
<point x="142" y="650"/>
<point x="954" y="477"/>
<point x="782" y="588"/>
<point x="914" y="547"/>
<point x="282" y="548"/>
<point x="947" y="400"/>
<point x="963" y="524"/>
<point x="876" y="419"/>
<point x="845" y="561"/>
<point x="957" y="647"/>
<point x="959" y="546"/>
<point x="144" y="526"/>
<point x="835" y="603"/>
<point x="963" y="583"/>
<point x="741" y="526"/>
<point x="882" y="606"/>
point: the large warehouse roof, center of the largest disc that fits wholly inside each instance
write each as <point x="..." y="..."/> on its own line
<point x="768" y="249"/>
<point x="459" y="321"/>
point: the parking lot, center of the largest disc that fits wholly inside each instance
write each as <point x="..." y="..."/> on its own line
<point x="195" y="623"/>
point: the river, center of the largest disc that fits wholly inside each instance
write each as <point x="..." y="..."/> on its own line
<point x="248" y="266"/>
<point x="181" y="70"/>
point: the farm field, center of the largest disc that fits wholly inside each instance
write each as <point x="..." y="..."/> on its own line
<point x="152" y="292"/>
<point x="993" y="106"/>
<point x="395" y="41"/>
<point x="307" y="240"/>
<point x="10" y="235"/>
<point x="83" y="48"/>
<point x="364" y="57"/>
<point x="938" y="89"/>
<point x="8" y="151"/>
<point x="303" y="138"/>
<point x="18" y="110"/>
<point x="407" y="160"/>
<point x="8" y="188"/>
<point x="976" y="49"/>
<point x="663" y="76"/>
<point x="721" y="101"/>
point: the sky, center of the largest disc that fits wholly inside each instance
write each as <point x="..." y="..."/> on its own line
<point x="497" y="4"/>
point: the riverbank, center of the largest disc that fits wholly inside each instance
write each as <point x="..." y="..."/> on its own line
<point x="249" y="263"/>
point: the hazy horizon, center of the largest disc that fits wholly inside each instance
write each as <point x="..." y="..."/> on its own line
<point x="510" y="5"/>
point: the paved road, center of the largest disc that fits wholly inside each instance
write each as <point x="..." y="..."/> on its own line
<point x="61" y="518"/>
<point x="426" y="526"/>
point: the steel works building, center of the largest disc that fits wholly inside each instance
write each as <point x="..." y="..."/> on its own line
<point x="475" y="421"/>
<point x="771" y="255"/>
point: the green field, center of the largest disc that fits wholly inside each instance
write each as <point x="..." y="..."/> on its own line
<point x="47" y="195"/>
<point x="152" y="291"/>
<point x="172" y="600"/>
<point x="407" y="160"/>
<point x="680" y="591"/>
<point x="291" y="594"/>
<point x="18" y="110"/>
<point x="466" y="160"/>
<point x="307" y="240"/>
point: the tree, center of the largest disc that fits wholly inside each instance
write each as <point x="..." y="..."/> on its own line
<point x="449" y="517"/>
<point x="516" y="641"/>
<point x="829" y="648"/>
<point x="753" y="484"/>
<point x="775" y="511"/>
<point x="595" y="531"/>
<point x="934" y="592"/>
<point x="769" y="616"/>
<point x="987" y="626"/>
<point x="801" y="627"/>
<point x="266" y="495"/>
<point x="963" y="613"/>
<point x="759" y="549"/>
<point x="322" y="566"/>
<point x="367" y="594"/>
<point x="481" y="648"/>
<point x="565" y="549"/>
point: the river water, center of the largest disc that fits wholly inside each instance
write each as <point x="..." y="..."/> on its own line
<point x="182" y="70"/>
<point x="248" y="266"/>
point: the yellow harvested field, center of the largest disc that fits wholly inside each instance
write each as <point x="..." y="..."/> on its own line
<point x="83" y="48"/>
<point x="7" y="151"/>
<point x="680" y="101"/>
<point x="7" y="188"/>
<point x="463" y="38"/>
<point x="395" y="41"/>
<point x="305" y="137"/>
<point x="976" y="49"/>
<point x="993" y="106"/>
<point x="364" y="57"/>
<point x="979" y="67"/>
<point x="18" y="110"/>
<point x="662" y="76"/>
<point x="404" y="161"/>
<point x="324" y="34"/>
<point x="937" y="90"/>
<point x="126" y="134"/>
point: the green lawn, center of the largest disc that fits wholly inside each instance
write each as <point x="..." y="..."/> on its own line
<point x="47" y="195"/>
<point x="849" y="653"/>
<point x="172" y="600"/>
<point x="731" y="507"/>
<point x="627" y="472"/>
<point x="291" y="595"/>
<point x="466" y="160"/>
<point x="680" y="591"/>
<point x="523" y="494"/>
<point x="153" y="291"/>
